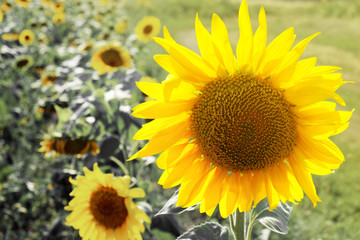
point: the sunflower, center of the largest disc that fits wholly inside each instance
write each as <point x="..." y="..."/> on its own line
<point x="59" y="18"/>
<point x="109" y="58"/>
<point x="48" y="78"/>
<point x="147" y="28"/>
<point x="5" y="6"/>
<point x="23" y="3"/>
<point x="121" y="26"/>
<point x="62" y="146"/>
<point x="102" y="207"/>
<point x="10" y="36"/>
<point x="236" y="130"/>
<point x="23" y="62"/>
<point x="26" y="37"/>
<point x="58" y="7"/>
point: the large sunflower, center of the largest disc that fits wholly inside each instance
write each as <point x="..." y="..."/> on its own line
<point x="109" y="58"/>
<point x="236" y="130"/>
<point x="147" y="28"/>
<point x="102" y="207"/>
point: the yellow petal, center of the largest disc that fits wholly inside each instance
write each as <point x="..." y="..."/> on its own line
<point x="206" y="48"/>
<point x="220" y="37"/>
<point x="229" y="195"/>
<point x="161" y="126"/>
<point x="276" y="51"/>
<point x="156" y="109"/>
<point x="260" y="39"/>
<point x="187" y="58"/>
<point x="244" y="47"/>
<point x="160" y="143"/>
<point x="303" y="177"/>
<point x="153" y="90"/>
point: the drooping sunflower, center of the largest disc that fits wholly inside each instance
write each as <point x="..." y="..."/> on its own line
<point x="102" y="207"/>
<point x="109" y="58"/>
<point x="10" y="36"/>
<point x="147" y="28"/>
<point x="26" y="37"/>
<point x="234" y="130"/>
<point x="23" y="3"/>
<point x="67" y="146"/>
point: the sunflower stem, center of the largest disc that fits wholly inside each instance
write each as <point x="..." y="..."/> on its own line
<point x="120" y="164"/>
<point x="237" y="225"/>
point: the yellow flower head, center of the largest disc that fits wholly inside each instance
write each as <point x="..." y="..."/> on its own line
<point x="109" y="58"/>
<point x="23" y="3"/>
<point x="1" y="16"/>
<point x="59" y="18"/>
<point x="102" y="207"/>
<point x="23" y="62"/>
<point x="58" y="7"/>
<point x="48" y="78"/>
<point x="121" y="26"/>
<point x="64" y="146"/>
<point x="237" y="129"/>
<point x="26" y="37"/>
<point x="5" y="6"/>
<point x="147" y="28"/>
<point x="10" y="36"/>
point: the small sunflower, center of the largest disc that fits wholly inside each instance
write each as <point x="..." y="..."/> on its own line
<point x="66" y="146"/>
<point x="102" y="207"/>
<point x="59" y="18"/>
<point x="10" y="36"/>
<point x="147" y="28"/>
<point x="23" y="62"/>
<point x="121" y="26"/>
<point x="58" y="7"/>
<point x="109" y="58"/>
<point x="48" y="78"/>
<point x="236" y="130"/>
<point x="23" y="3"/>
<point x="26" y="37"/>
<point x="5" y="6"/>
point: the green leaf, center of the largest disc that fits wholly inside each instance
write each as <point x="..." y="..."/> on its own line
<point x="63" y="114"/>
<point x="275" y="220"/>
<point x="108" y="146"/>
<point x="171" y="208"/>
<point x="206" y="231"/>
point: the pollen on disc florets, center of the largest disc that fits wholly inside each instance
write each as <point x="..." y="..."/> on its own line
<point x="243" y="124"/>
<point x="108" y="208"/>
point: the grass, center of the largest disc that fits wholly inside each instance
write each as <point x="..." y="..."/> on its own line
<point x="338" y="216"/>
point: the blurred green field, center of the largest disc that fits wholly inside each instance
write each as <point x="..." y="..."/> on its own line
<point x="338" y="216"/>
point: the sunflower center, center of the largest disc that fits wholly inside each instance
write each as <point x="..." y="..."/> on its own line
<point x="112" y="58"/>
<point x="27" y="37"/>
<point x="243" y="124"/>
<point x="22" y="63"/>
<point x="108" y="208"/>
<point x="147" y="29"/>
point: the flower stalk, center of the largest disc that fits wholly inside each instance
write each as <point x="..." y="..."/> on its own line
<point x="237" y="225"/>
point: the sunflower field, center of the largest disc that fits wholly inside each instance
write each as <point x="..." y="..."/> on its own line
<point x="152" y="119"/>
